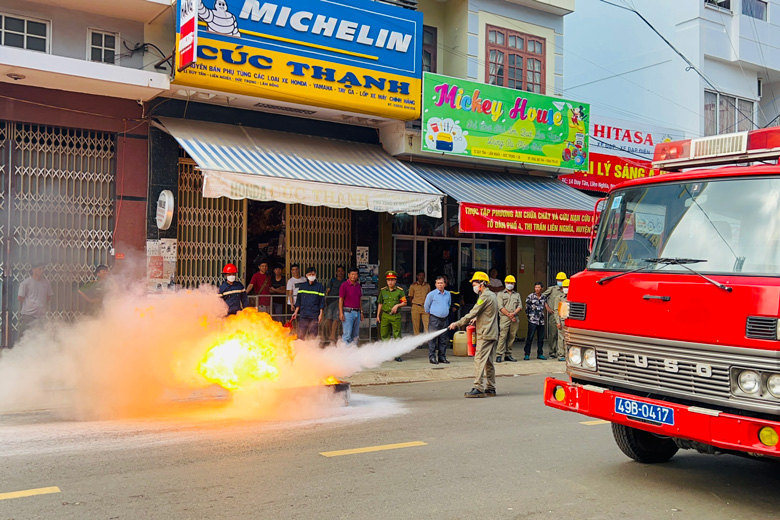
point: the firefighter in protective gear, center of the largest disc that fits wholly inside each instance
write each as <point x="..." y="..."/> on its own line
<point x="554" y="293"/>
<point x="560" y="320"/>
<point x="510" y="304"/>
<point x="389" y="303"/>
<point x="233" y="291"/>
<point x="483" y="315"/>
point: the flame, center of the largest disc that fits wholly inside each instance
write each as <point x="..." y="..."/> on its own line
<point x="331" y="380"/>
<point x="247" y="352"/>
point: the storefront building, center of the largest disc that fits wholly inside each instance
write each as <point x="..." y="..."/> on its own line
<point x="73" y="147"/>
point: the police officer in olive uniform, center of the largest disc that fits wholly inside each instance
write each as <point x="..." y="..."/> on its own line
<point x="554" y="293"/>
<point x="510" y="304"/>
<point x="484" y="315"/>
<point x="389" y="303"/>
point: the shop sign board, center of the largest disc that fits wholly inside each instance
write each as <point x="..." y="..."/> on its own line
<point x="188" y="30"/>
<point x="619" y="151"/>
<point x="473" y="119"/>
<point x="349" y="55"/>
<point x="525" y="221"/>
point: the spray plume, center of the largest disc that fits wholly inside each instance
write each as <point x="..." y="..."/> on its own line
<point x="149" y="355"/>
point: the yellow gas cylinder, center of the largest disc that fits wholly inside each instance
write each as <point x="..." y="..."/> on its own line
<point x="460" y="344"/>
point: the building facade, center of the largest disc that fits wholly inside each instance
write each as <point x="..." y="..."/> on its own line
<point x="73" y="142"/>
<point x="295" y="136"/>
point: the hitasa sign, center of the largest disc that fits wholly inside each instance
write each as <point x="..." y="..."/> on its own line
<point x="188" y="42"/>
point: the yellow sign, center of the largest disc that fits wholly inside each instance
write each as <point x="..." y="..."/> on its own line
<point x="347" y="56"/>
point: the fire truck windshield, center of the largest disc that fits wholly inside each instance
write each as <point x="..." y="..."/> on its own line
<point x="731" y="225"/>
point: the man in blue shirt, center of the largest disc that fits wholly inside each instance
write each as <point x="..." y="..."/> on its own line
<point x="309" y="304"/>
<point x="437" y="304"/>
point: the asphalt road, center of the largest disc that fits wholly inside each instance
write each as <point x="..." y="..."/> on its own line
<point x="495" y="458"/>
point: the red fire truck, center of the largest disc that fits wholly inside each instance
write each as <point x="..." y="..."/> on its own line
<point x="672" y="329"/>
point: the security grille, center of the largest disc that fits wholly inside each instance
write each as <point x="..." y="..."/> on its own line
<point x="58" y="208"/>
<point x="319" y="237"/>
<point x="569" y="255"/>
<point x="210" y="232"/>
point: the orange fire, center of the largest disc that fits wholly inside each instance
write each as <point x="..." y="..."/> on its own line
<point x="331" y="380"/>
<point x="249" y="351"/>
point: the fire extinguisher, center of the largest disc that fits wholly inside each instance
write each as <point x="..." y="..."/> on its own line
<point x="472" y="349"/>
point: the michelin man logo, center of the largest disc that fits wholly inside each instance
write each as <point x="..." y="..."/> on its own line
<point x="219" y="20"/>
<point x="445" y="135"/>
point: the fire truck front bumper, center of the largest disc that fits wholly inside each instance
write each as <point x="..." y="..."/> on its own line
<point x="727" y="432"/>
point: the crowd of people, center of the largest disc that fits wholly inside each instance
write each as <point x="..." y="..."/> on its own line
<point x="492" y="306"/>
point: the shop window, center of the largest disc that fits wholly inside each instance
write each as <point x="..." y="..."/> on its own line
<point x="403" y="224"/>
<point x="24" y="33"/>
<point x="102" y="47"/>
<point x="515" y="60"/>
<point x="429" y="226"/>
<point x="429" y="49"/>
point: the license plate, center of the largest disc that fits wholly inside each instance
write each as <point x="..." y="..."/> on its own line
<point x="640" y="410"/>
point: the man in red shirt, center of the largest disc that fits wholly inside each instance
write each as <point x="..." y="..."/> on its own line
<point x="261" y="284"/>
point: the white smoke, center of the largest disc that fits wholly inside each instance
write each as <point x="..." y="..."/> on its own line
<point x="140" y="357"/>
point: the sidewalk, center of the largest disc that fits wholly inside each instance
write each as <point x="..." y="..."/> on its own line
<point x="415" y="367"/>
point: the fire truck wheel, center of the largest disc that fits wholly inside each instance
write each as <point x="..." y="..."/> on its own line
<point x="643" y="446"/>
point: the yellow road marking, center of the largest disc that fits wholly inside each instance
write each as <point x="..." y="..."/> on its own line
<point x="304" y="44"/>
<point x="594" y="423"/>
<point x="369" y="449"/>
<point x="29" y="493"/>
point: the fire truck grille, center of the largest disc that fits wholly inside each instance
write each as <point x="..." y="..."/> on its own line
<point x="577" y="311"/>
<point x="761" y="328"/>
<point x="656" y="375"/>
<point x="667" y="367"/>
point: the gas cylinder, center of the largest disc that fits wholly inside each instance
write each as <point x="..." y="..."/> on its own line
<point x="472" y="348"/>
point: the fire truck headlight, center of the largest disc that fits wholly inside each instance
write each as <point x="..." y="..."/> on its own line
<point x="768" y="436"/>
<point x="773" y="385"/>
<point x="749" y="382"/>
<point x="575" y="356"/>
<point x="589" y="358"/>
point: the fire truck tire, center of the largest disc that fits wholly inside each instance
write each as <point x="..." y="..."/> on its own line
<point x="643" y="446"/>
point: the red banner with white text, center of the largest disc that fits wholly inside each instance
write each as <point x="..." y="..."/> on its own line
<point x="540" y="222"/>
<point x="606" y="171"/>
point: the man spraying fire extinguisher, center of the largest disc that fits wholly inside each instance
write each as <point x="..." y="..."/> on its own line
<point x="233" y="291"/>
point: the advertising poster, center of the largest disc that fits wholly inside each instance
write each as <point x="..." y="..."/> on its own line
<point x="473" y="119"/>
<point x="160" y="264"/>
<point x="369" y="278"/>
<point x="352" y="55"/>
<point x="505" y="220"/>
<point x="619" y="151"/>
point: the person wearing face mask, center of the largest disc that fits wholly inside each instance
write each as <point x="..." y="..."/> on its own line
<point x="509" y="306"/>
<point x="560" y="319"/>
<point x="232" y="291"/>
<point x="483" y="315"/>
<point x="553" y="295"/>
<point x="310" y="305"/>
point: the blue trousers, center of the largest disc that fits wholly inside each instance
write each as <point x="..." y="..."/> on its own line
<point x="351" y="326"/>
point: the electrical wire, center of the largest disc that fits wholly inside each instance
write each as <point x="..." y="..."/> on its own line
<point x="690" y="65"/>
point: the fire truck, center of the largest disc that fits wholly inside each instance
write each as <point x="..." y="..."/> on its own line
<point x="672" y="329"/>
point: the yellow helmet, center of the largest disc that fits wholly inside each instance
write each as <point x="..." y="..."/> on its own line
<point x="509" y="279"/>
<point x="566" y="283"/>
<point x="561" y="276"/>
<point x="480" y="276"/>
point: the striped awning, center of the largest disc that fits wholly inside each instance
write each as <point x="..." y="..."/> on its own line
<point x="241" y="162"/>
<point x="505" y="189"/>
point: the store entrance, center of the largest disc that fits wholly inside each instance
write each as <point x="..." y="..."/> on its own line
<point x="442" y="259"/>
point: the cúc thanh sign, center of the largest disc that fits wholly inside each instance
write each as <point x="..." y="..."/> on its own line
<point x="473" y="119"/>
<point x="351" y="55"/>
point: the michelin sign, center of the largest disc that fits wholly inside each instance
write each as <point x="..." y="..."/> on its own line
<point x="353" y="55"/>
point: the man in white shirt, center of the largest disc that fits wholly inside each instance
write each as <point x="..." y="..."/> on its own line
<point x="495" y="284"/>
<point x="34" y="296"/>
<point x="292" y="285"/>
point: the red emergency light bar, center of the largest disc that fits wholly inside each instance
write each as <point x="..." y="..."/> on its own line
<point x="739" y="147"/>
